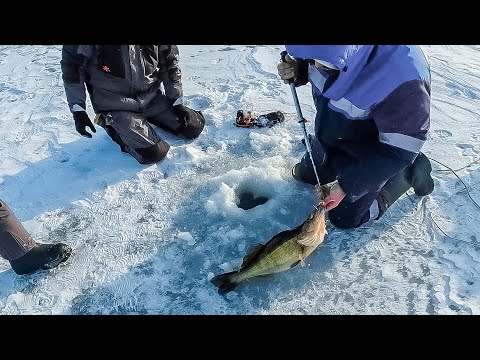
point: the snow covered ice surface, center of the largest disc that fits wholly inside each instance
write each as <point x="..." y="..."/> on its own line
<point x="147" y="239"/>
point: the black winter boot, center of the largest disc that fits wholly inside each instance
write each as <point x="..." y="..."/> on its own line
<point x="420" y="170"/>
<point x="41" y="257"/>
<point x="417" y="175"/>
<point x="303" y="171"/>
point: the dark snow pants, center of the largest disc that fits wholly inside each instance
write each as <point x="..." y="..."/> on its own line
<point x="347" y="214"/>
<point x="15" y="241"/>
<point x="134" y="133"/>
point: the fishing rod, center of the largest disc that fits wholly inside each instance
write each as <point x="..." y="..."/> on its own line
<point x="301" y="120"/>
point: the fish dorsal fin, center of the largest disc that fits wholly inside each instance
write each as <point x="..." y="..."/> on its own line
<point x="252" y="254"/>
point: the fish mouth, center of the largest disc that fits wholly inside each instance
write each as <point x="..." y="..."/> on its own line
<point x="314" y="230"/>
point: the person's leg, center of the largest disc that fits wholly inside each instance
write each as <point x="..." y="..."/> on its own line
<point x="184" y="122"/>
<point x="24" y="254"/>
<point x="15" y="241"/>
<point x="374" y="205"/>
<point x="349" y="215"/>
<point x="132" y="132"/>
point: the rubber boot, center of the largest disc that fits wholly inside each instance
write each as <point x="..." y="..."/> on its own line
<point x="417" y="175"/>
<point x="420" y="173"/>
<point x="303" y="171"/>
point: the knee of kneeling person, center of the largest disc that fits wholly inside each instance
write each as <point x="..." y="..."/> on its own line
<point x="152" y="154"/>
<point x="4" y="211"/>
<point x="346" y="222"/>
<point x="342" y="222"/>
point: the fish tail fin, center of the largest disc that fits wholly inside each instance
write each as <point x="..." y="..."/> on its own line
<point x="224" y="282"/>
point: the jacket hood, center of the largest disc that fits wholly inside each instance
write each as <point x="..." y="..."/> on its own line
<point x="349" y="59"/>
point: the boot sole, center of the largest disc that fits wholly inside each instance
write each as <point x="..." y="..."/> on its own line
<point x="294" y="171"/>
<point x="296" y="176"/>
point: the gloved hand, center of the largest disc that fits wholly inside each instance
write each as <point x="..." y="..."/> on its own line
<point x="81" y="122"/>
<point x="182" y="114"/>
<point x="191" y="121"/>
<point x="334" y="195"/>
<point x="288" y="69"/>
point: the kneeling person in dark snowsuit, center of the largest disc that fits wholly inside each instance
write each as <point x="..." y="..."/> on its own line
<point x="24" y="254"/>
<point x="125" y="87"/>
<point x="373" y="115"/>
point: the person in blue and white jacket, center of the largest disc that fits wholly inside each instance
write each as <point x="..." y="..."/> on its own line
<point x="373" y="116"/>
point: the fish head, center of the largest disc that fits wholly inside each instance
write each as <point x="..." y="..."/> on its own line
<point x="314" y="229"/>
<point x="315" y="223"/>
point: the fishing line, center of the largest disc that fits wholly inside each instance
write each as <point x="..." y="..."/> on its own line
<point x="454" y="173"/>
<point x="468" y="193"/>
<point x="466" y="166"/>
<point x="450" y="237"/>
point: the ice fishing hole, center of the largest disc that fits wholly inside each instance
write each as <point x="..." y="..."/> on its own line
<point x="247" y="200"/>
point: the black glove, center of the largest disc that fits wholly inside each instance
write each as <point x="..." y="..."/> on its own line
<point x="293" y="70"/>
<point x="288" y="69"/>
<point x="191" y="121"/>
<point x="182" y="114"/>
<point x="81" y="122"/>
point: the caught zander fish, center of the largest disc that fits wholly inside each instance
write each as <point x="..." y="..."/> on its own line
<point x="284" y="251"/>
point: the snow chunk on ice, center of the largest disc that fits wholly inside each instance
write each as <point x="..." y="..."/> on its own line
<point x="186" y="236"/>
